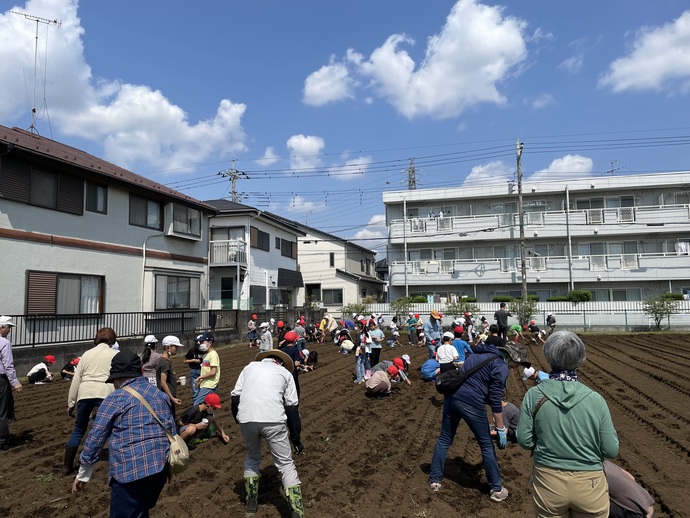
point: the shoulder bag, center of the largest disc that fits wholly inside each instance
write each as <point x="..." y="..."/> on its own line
<point x="448" y="382"/>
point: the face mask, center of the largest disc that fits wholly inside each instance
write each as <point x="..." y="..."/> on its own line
<point x="203" y="348"/>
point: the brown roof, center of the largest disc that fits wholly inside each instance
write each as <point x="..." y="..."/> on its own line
<point x="32" y="143"/>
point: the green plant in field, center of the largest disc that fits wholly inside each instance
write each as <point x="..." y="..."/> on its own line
<point x="44" y="478"/>
<point x="459" y="308"/>
<point x="360" y="309"/>
<point x="659" y="308"/>
<point x="523" y="311"/>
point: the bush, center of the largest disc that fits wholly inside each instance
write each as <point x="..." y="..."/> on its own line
<point x="672" y="296"/>
<point x="459" y="308"/>
<point x="401" y="307"/>
<point x="360" y="309"/>
<point x="419" y="299"/>
<point x="558" y="298"/>
<point x="535" y="298"/>
<point x="580" y="296"/>
<point x="503" y="298"/>
<point x="523" y="311"/>
<point x="659" y="308"/>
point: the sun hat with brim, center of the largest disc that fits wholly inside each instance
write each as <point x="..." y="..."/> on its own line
<point x="280" y="355"/>
<point x="515" y="354"/>
<point x="125" y="364"/>
<point x="435" y="314"/>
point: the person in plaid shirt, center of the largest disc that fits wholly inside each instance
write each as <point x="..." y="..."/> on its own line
<point x="138" y="449"/>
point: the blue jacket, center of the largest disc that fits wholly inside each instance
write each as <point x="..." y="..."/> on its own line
<point x="461" y="346"/>
<point x="428" y="369"/>
<point x="487" y="385"/>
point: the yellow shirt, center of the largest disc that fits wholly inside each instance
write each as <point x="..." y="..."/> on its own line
<point x="210" y="359"/>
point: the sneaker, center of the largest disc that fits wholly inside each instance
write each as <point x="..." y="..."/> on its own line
<point x="499" y="496"/>
<point x="357" y="382"/>
<point x="39" y="383"/>
<point x="435" y="486"/>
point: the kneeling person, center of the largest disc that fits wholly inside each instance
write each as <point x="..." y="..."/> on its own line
<point x="198" y="421"/>
<point x="380" y="382"/>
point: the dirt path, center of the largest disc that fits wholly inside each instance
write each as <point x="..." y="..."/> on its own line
<point x="367" y="458"/>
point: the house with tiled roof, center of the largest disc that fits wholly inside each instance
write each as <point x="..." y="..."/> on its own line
<point x="82" y="236"/>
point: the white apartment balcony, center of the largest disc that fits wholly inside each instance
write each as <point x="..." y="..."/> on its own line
<point x="616" y="267"/>
<point x="229" y="252"/>
<point x="605" y="222"/>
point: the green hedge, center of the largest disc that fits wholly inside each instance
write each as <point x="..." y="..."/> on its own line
<point x="558" y="298"/>
<point x="672" y="296"/>
<point x="580" y="296"/>
<point x="503" y="298"/>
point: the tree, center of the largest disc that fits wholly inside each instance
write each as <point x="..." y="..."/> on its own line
<point x="523" y="311"/>
<point x="359" y="309"/>
<point x="458" y="309"/>
<point x="659" y="308"/>
<point x="401" y="307"/>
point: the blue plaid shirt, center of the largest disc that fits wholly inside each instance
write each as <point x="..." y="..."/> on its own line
<point x="138" y="445"/>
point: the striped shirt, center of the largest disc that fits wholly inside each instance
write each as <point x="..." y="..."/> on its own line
<point x="138" y="445"/>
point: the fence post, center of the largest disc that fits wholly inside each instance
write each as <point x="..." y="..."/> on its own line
<point x="626" y="319"/>
<point x="584" y="318"/>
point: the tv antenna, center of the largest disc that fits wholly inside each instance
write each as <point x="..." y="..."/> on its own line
<point x="613" y="168"/>
<point x="48" y="22"/>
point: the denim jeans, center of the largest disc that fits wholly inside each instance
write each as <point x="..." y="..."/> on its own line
<point x="84" y="408"/>
<point x="135" y="499"/>
<point x="202" y="393"/>
<point x="193" y="375"/>
<point x="359" y="367"/>
<point x="454" y="410"/>
<point x="431" y="348"/>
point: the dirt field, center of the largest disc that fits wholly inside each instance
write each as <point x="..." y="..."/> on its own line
<point x="369" y="457"/>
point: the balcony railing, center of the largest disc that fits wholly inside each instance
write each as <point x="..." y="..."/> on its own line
<point x="231" y="251"/>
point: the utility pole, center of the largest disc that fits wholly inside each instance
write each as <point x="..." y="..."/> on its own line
<point x="38" y="20"/>
<point x="411" y="178"/>
<point x="523" y="264"/>
<point x="234" y="175"/>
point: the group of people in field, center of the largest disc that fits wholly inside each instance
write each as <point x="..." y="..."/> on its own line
<point x="131" y="400"/>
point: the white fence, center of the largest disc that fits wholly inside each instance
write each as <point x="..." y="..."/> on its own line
<point x="581" y="316"/>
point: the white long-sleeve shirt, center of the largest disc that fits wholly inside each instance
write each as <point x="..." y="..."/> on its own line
<point x="265" y="388"/>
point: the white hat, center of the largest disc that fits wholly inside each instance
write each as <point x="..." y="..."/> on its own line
<point x="406" y="357"/>
<point x="527" y="372"/>
<point x="150" y="339"/>
<point x="6" y="322"/>
<point x="263" y="324"/>
<point x="171" y="340"/>
<point x="305" y="352"/>
<point x="116" y="346"/>
<point x="448" y="334"/>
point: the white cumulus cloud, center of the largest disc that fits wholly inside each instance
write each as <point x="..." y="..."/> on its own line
<point x="351" y="168"/>
<point x="492" y="172"/>
<point x="477" y="49"/>
<point x="330" y="83"/>
<point x="374" y="235"/>
<point x="659" y="60"/>
<point x="137" y="124"/>
<point x="568" y="166"/>
<point x="270" y="157"/>
<point x="305" y="151"/>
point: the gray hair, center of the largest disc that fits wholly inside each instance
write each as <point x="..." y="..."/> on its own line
<point x="564" y="351"/>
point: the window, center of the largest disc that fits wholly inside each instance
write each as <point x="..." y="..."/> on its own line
<point x="368" y="271"/>
<point x="145" y="213"/>
<point x="96" y="198"/>
<point x="259" y="239"/>
<point x="44" y="186"/>
<point x="331" y="259"/>
<point x="52" y="293"/>
<point x="277" y="243"/>
<point x="186" y="220"/>
<point x="257" y="294"/>
<point x="176" y="292"/>
<point x="288" y="248"/>
<point x="279" y="296"/>
<point x="361" y="264"/>
<point x="332" y="297"/>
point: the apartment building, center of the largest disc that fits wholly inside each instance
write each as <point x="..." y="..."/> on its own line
<point x="624" y="238"/>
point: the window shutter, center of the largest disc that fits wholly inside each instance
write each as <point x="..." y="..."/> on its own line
<point x="70" y="194"/>
<point x="41" y="293"/>
<point x="15" y="179"/>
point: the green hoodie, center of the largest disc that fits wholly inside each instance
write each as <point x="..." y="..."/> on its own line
<point x="572" y="430"/>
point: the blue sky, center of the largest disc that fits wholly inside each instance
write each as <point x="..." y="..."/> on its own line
<point x="322" y="104"/>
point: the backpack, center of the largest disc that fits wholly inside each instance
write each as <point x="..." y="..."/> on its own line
<point x="448" y="382"/>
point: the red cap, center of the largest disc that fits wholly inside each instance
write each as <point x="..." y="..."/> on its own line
<point x="467" y="314"/>
<point x="416" y="315"/>
<point x="253" y="317"/>
<point x="398" y="363"/>
<point x="459" y="330"/>
<point x="291" y="336"/>
<point x="212" y="400"/>
<point x="531" y="322"/>
<point x="76" y="361"/>
<point x="49" y="358"/>
<point x="524" y="328"/>
<point x="392" y="370"/>
<point x="280" y="323"/>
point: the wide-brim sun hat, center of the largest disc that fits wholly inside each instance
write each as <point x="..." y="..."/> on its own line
<point x="275" y="353"/>
<point x="515" y="354"/>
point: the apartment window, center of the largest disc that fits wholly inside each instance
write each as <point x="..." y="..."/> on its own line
<point x="332" y="297"/>
<point x="259" y="239"/>
<point x="177" y="292"/>
<point x="361" y="265"/>
<point x="331" y="259"/>
<point x="96" y="198"/>
<point x="368" y="270"/>
<point x="145" y="213"/>
<point x="257" y="294"/>
<point x="277" y="243"/>
<point x="186" y="220"/>
<point x="52" y="293"/>
<point x="288" y="248"/>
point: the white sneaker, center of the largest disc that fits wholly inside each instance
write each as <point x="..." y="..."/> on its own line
<point x="499" y="496"/>
<point x="435" y="486"/>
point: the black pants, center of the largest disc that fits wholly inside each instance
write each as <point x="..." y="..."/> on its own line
<point x="38" y="376"/>
<point x="374" y="356"/>
<point x="503" y="332"/>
